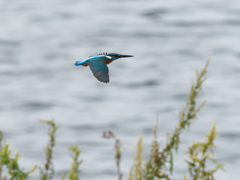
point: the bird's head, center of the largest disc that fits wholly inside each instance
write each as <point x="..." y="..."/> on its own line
<point x="114" y="56"/>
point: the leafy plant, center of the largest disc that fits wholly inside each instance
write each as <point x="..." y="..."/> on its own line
<point x="199" y="154"/>
<point x="136" y="171"/>
<point x="47" y="172"/>
<point x="11" y="164"/>
<point x="155" y="167"/>
<point x="74" y="172"/>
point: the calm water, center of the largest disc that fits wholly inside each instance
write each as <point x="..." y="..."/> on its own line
<point x="41" y="40"/>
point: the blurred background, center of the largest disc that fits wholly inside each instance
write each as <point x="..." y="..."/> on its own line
<point x="41" y="40"/>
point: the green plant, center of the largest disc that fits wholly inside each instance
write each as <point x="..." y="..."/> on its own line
<point x="199" y="154"/>
<point x="12" y="165"/>
<point x="74" y="172"/>
<point x="155" y="167"/>
<point x="136" y="171"/>
<point x="47" y="172"/>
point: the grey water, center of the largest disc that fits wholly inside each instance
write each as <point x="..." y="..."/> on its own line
<point x="41" y="40"/>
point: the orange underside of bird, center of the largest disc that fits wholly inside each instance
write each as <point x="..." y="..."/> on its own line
<point x="108" y="62"/>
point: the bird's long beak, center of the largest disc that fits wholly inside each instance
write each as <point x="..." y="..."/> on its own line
<point x="125" y="56"/>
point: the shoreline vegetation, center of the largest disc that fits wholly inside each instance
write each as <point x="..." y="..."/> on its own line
<point x="160" y="164"/>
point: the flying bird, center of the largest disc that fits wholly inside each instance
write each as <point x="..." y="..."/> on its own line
<point x="98" y="64"/>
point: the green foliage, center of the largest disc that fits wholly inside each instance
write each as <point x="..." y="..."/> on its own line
<point x="199" y="154"/>
<point x="74" y="172"/>
<point x="136" y="170"/>
<point x="48" y="172"/>
<point x="155" y="167"/>
<point x="12" y="164"/>
<point x="159" y="160"/>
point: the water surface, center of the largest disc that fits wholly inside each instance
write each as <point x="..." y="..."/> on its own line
<point x="41" y="40"/>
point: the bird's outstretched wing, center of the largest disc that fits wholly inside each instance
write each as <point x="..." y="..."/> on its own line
<point x="99" y="69"/>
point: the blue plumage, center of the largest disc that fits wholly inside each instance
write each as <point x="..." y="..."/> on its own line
<point x="98" y="64"/>
<point x="78" y="63"/>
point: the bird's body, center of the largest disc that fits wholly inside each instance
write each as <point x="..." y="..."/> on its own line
<point x="98" y="64"/>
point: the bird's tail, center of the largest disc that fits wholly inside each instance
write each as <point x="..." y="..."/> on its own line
<point x="78" y="63"/>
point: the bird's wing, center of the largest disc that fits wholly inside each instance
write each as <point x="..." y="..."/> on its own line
<point x="99" y="68"/>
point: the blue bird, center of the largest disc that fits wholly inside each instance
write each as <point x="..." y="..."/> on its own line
<point x="98" y="64"/>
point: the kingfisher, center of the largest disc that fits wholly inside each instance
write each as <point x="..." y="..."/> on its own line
<point x="98" y="64"/>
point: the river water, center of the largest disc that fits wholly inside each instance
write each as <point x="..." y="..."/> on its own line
<point x="41" y="40"/>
